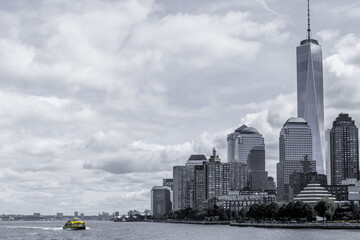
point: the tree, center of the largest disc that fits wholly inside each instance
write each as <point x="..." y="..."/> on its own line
<point x="252" y="213"/>
<point x="298" y="210"/>
<point x="290" y="210"/>
<point x="271" y="210"/>
<point x="281" y="214"/>
<point x="323" y="205"/>
<point x="328" y="214"/>
<point x="309" y="212"/>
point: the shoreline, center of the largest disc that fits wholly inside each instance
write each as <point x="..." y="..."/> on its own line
<point x="310" y="225"/>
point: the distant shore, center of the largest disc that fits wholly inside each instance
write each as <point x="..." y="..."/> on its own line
<point x="309" y="225"/>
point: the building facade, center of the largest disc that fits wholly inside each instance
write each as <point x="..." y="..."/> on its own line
<point x="160" y="201"/>
<point x="238" y="176"/>
<point x="257" y="176"/>
<point x="344" y="149"/>
<point x="295" y="146"/>
<point x="248" y="138"/>
<point x="194" y="160"/>
<point x="179" y="187"/>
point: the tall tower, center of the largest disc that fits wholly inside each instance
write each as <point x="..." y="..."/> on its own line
<point x="344" y="149"/>
<point x="310" y="97"/>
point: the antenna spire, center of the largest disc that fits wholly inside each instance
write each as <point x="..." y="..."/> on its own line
<point x="308" y="30"/>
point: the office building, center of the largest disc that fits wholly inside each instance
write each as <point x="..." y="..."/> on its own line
<point x="327" y="156"/>
<point x="344" y="149"/>
<point x="247" y="139"/>
<point x="238" y="176"/>
<point x="160" y="201"/>
<point x="310" y="99"/>
<point x="257" y="176"/>
<point x="194" y="160"/>
<point x="295" y="146"/>
<point x="179" y="187"/>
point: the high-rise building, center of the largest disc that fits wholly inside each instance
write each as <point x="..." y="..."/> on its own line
<point x="344" y="149"/>
<point x="179" y="187"/>
<point x="231" y="139"/>
<point x="295" y="146"/>
<point x="256" y="167"/>
<point x="217" y="176"/>
<point x="160" y="201"/>
<point x="240" y="143"/>
<point x="212" y="179"/>
<point x="310" y="99"/>
<point x="200" y="186"/>
<point x="327" y="156"/>
<point x="238" y="176"/>
<point x="194" y="160"/>
<point x="248" y="138"/>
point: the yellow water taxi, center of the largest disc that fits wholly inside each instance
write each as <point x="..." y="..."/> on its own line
<point x="75" y="224"/>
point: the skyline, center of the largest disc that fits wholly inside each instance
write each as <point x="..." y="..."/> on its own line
<point x="100" y="99"/>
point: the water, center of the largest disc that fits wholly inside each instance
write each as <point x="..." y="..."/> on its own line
<point x="151" y="231"/>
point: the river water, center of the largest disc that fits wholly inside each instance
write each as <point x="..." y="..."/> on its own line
<point x="151" y="231"/>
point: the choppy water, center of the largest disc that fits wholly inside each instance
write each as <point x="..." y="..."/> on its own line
<point x="152" y="231"/>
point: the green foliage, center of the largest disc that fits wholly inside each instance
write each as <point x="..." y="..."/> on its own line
<point x="323" y="205"/>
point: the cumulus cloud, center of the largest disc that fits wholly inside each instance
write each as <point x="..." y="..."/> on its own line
<point x="106" y="96"/>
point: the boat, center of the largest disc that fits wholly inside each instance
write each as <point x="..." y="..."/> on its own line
<point x="75" y="224"/>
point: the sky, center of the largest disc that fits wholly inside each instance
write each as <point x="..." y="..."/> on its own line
<point x="99" y="99"/>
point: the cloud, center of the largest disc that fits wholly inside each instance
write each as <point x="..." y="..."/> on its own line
<point x="106" y="96"/>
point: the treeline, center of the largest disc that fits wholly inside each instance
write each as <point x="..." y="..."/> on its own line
<point x="274" y="211"/>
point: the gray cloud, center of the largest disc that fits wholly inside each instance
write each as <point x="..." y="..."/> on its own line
<point x="106" y="96"/>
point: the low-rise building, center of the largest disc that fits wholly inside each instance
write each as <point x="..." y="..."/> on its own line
<point x="236" y="201"/>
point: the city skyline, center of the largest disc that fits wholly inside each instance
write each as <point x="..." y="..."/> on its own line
<point x="100" y="99"/>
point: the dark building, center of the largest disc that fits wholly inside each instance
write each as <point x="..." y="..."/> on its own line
<point x="211" y="179"/>
<point x="160" y="201"/>
<point x="238" y="176"/>
<point x="256" y="168"/>
<point x="200" y="186"/>
<point x="340" y="192"/>
<point x="299" y="180"/>
<point x="344" y="150"/>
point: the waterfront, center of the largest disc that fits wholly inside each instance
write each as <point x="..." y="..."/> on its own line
<point x="151" y="231"/>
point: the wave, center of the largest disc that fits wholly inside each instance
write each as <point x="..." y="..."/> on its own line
<point x="32" y="227"/>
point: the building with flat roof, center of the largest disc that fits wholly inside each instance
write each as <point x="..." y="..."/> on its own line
<point x="160" y="201"/>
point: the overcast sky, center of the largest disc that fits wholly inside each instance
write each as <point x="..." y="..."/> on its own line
<point x="99" y="99"/>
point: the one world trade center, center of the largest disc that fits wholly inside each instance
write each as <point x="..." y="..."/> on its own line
<point x="310" y="97"/>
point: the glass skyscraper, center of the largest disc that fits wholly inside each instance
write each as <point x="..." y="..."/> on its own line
<point x="310" y="99"/>
<point x="295" y="146"/>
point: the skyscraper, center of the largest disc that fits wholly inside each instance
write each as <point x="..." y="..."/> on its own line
<point x="344" y="149"/>
<point x="258" y="177"/>
<point x="247" y="139"/>
<point x="310" y="99"/>
<point x="295" y="145"/>
<point x="210" y="180"/>
<point x="231" y="138"/>
<point x="179" y="187"/>
<point x="194" y="160"/>
<point x="240" y="143"/>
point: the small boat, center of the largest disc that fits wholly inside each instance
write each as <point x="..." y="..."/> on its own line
<point x="75" y="224"/>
